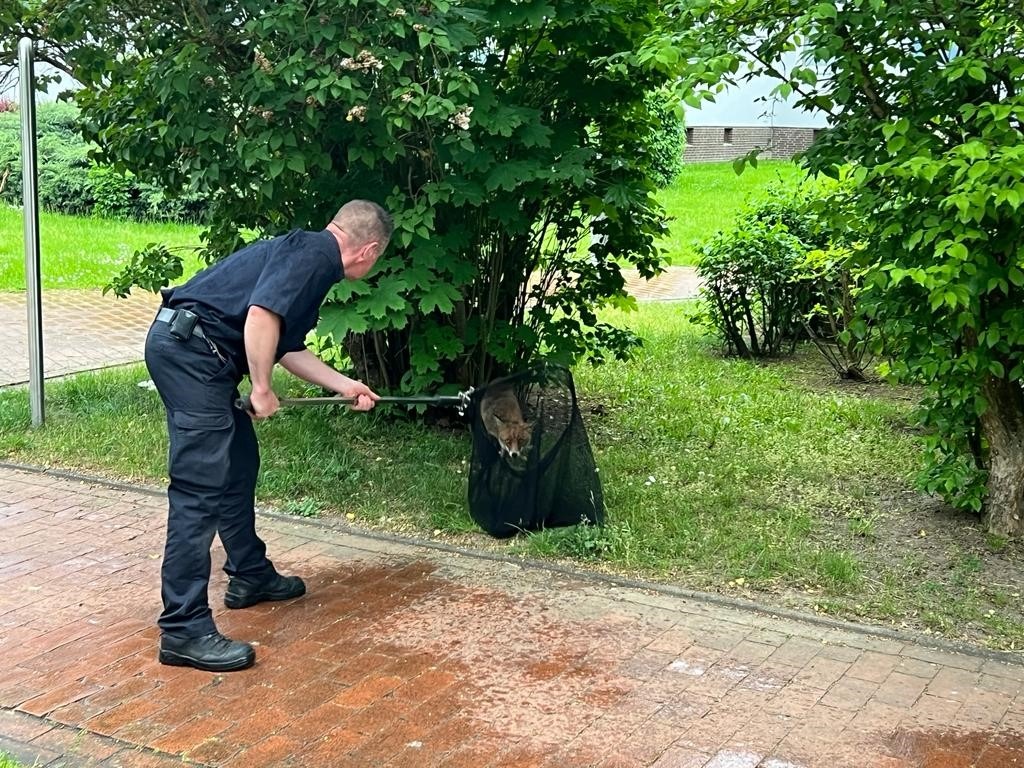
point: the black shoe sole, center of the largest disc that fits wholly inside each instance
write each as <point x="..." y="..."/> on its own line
<point x="260" y="597"/>
<point x="172" y="659"/>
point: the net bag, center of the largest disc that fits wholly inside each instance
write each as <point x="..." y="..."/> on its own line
<point x="532" y="466"/>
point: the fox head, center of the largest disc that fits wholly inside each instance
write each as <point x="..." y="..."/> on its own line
<point x="514" y="438"/>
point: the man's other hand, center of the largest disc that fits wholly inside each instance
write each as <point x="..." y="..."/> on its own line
<point x="365" y="398"/>
<point x="264" y="404"/>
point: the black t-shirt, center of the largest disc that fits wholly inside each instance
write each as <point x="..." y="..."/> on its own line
<point x="290" y="275"/>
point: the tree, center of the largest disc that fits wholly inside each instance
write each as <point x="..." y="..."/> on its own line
<point x="925" y="99"/>
<point x="497" y="131"/>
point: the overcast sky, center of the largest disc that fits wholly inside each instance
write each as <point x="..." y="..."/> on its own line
<point x="739" y="107"/>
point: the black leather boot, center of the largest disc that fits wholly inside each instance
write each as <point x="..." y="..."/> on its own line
<point x="241" y="593"/>
<point x="212" y="652"/>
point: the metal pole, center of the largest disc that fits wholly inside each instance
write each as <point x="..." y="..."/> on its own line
<point x="30" y="193"/>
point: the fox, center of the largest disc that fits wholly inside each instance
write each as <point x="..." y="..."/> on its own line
<point x="503" y="420"/>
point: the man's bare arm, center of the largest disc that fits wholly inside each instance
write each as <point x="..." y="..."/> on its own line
<point x="309" y="367"/>
<point x="262" y="332"/>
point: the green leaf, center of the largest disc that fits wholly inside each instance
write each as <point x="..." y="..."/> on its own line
<point x="385" y="298"/>
<point x="504" y="176"/>
<point x="958" y="251"/>
<point x="825" y="11"/>
<point x="896" y="143"/>
<point x="441" y="297"/>
<point x="338" y="320"/>
<point x="535" y="135"/>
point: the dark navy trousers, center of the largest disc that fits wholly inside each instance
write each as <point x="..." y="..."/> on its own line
<point x="213" y="461"/>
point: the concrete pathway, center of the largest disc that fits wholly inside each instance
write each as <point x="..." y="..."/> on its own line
<point x="410" y="655"/>
<point x="84" y="330"/>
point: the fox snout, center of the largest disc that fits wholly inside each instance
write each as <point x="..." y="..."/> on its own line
<point x="512" y="451"/>
<point x="513" y="440"/>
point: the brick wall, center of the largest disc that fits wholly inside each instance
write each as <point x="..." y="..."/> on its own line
<point x="720" y="143"/>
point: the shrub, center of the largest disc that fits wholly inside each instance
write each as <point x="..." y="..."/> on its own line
<point x="667" y="138"/>
<point x="117" y="195"/>
<point x="752" y="293"/>
<point x="834" y="324"/>
<point x="71" y="182"/>
<point x="501" y="137"/>
<point x="793" y="207"/>
<point x="158" y="204"/>
<point x="59" y="118"/>
<point x="64" y="184"/>
<point x="816" y="214"/>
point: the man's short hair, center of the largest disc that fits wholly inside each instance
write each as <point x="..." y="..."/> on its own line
<point x="365" y="222"/>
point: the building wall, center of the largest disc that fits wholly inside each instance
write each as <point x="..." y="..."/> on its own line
<point x="706" y="144"/>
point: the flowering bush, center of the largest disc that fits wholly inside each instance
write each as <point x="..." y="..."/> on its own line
<point x="497" y="132"/>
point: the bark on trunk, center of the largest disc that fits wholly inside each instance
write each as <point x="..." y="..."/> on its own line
<point x="1002" y="425"/>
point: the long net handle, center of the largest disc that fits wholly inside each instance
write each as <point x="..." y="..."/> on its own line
<point x="245" y="404"/>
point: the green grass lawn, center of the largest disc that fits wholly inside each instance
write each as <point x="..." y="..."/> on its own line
<point x="773" y="482"/>
<point x="706" y="197"/>
<point x="8" y="762"/>
<point x="81" y="252"/>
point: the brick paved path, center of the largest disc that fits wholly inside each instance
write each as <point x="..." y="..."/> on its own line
<point x="84" y="330"/>
<point x="674" y="283"/>
<point x="404" y="655"/>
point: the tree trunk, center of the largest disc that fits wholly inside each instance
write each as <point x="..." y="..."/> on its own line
<point x="1002" y="426"/>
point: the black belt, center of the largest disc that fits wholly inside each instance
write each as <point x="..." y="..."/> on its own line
<point x="168" y="315"/>
<point x="184" y="324"/>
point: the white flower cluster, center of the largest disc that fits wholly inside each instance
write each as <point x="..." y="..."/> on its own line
<point x="398" y="13"/>
<point x="363" y="61"/>
<point x="357" y="113"/>
<point x="460" y="119"/>
<point x="262" y="61"/>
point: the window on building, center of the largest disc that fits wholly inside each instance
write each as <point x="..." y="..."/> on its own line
<point x="689" y="135"/>
<point x="727" y="136"/>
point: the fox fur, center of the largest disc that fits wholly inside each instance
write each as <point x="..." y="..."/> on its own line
<point x="503" y="419"/>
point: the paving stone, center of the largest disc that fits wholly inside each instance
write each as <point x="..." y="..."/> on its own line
<point x="404" y="656"/>
<point x="82" y="330"/>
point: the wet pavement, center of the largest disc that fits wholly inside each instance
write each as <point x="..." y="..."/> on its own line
<point x="84" y="330"/>
<point x="410" y="655"/>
